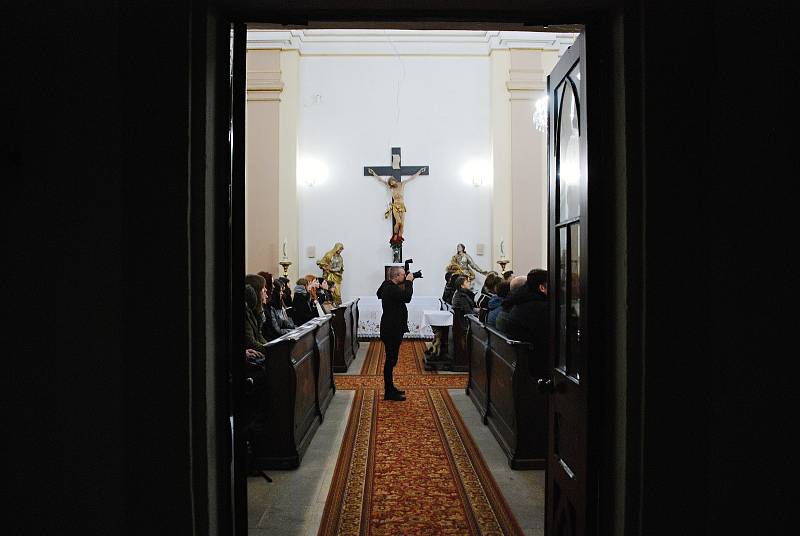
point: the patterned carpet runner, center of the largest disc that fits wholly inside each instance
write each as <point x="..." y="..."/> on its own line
<point x="410" y="468"/>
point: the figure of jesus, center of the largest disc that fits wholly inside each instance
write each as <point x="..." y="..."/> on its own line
<point x="397" y="207"/>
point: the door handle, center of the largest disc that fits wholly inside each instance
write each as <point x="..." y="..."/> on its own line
<point x="545" y="386"/>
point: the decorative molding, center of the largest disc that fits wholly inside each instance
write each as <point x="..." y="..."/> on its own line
<point x="264" y="85"/>
<point x="526" y="80"/>
<point x="405" y="42"/>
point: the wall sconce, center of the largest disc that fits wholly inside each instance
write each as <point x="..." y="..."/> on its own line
<point x="311" y="172"/>
<point x="477" y="173"/>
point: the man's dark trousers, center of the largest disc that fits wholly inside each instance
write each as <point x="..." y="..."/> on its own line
<point x="392" y="346"/>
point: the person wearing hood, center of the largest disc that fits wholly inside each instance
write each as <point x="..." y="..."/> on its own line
<point x="301" y="303"/>
<point x="525" y="315"/>
<point x="394" y="295"/>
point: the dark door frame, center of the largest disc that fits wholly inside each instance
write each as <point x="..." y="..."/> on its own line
<point x="617" y="215"/>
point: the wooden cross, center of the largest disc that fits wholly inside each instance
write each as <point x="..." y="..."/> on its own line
<point x="396" y="170"/>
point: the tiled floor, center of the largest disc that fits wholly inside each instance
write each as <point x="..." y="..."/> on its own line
<point x="292" y="504"/>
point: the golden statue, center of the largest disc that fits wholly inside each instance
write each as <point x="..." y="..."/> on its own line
<point x="397" y="207"/>
<point x="462" y="264"/>
<point x="332" y="266"/>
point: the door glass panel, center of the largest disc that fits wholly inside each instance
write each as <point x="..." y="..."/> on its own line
<point x="575" y="76"/>
<point x="569" y="169"/>
<point x="575" y="295"/>
<point x="561" y="298"/>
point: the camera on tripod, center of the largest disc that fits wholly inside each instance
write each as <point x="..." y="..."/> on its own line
<point x="417" y="274"/>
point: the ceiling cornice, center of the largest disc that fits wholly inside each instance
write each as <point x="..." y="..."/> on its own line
<point x="404" y="42"/>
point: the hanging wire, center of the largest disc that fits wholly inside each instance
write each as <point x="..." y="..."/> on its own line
<point x="397" y="88"/>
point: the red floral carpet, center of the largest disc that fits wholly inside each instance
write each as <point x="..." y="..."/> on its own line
<point x="409" y="468"/>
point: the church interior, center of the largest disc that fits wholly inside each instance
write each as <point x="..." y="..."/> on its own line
<point x="458" y="119"/>
<point x="138" y="193"/>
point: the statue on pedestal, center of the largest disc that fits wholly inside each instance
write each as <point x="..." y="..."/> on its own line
<point x="462" y="264"/>
<point x="332" y="266"/>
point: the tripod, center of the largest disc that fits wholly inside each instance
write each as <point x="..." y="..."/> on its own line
<point x="252" y="471"/>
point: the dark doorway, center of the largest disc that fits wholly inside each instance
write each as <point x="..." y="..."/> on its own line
<point x="591" y="494"/>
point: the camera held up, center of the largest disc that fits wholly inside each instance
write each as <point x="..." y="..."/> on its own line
<point x="417" y="274"/>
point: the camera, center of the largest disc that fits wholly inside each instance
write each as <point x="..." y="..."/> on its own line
<point x="417" y="274"/>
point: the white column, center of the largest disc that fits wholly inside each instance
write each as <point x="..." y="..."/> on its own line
<point x="527" y="82"/>
<point x="288" y="211"/>
<point x="501" y="157"/>
<point x="264" y="88"/>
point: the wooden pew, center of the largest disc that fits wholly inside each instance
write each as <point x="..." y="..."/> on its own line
<point x="502" y="385"/>
<point x="478" y="352"/>
<point x="354" y="334"/>
<point x="299" y="390"/>
<point x="323" y="348"/>
<point x="345" y="325"/>
<point x="458" y="348"/>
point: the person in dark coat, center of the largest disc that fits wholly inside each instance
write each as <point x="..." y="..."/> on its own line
<point x="287" y="291"/>
<point x="394" y="295"/>
<point x="488" y="290"/>
<point x="276" y="324"/>
<point x="464" y="298"/>
<point x="527" y="312"/>
<point x="449" y="287"/>
<point x="495" y="302"/>
<point x="301" y="303"/>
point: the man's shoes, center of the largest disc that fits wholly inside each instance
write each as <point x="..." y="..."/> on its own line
<point x="399" y="392"/>
<point x="394" y="396"/>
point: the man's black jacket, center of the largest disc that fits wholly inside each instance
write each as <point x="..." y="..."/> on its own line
<point x="525" y="317"/>
<point x="394" y="320"/>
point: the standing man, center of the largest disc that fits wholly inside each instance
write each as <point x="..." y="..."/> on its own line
<point x="394" y="295"/>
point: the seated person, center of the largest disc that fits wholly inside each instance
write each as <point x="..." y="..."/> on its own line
<point x="276" y="324"/>
<point x="284" y="316"/>
<point x="250" y="354"/>
<point x="463" y="298"/>
<point x="313" y="288"/>
<point x="488" y="291"/>
<point x="287" y="291"/>
<point x="259" y="283"/>
<point x="501" y="317"/>
<point x="301" y="303"/>
<point x="324" y="295"/>
<point x="525" y="317"/>
<point x="331" y="291"/>
<point x="493" y="307"/>
<point x="449" y="287"/>
<point x="253" y="339"/>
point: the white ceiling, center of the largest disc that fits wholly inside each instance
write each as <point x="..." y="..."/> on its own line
<point x="405" y="42"/>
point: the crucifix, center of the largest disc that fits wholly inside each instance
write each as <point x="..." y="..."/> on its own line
<point x="392" y="176"/>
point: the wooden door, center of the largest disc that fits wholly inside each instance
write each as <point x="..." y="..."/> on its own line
<point x="566" y="480"/>
<point x="236" y="272"/>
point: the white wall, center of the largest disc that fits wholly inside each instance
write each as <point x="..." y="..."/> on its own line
<point x="444" y="109"/>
